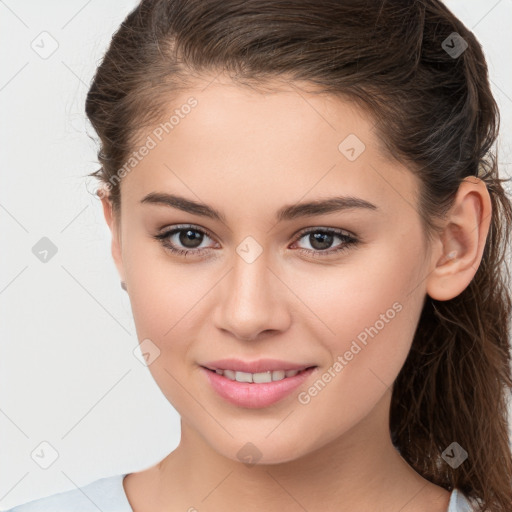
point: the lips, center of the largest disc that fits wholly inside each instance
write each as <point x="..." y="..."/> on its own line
<point x="247" y="384"/>
<point x="255" y="395"/>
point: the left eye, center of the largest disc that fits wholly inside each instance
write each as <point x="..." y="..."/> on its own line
<point x="191" y="237"/>
<point x="320" y="238"/>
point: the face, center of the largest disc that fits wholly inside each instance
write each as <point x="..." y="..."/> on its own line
<point x="337" y="289"/>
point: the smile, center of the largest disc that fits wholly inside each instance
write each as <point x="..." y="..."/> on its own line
<point x="256" y="390"/>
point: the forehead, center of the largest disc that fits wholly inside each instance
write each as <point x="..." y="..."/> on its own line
<point x="261" y="148"/>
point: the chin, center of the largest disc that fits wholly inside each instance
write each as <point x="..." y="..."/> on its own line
<point x="253" y="451"/>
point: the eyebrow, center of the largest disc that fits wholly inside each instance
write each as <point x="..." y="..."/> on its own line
<point x="286" y="213"/>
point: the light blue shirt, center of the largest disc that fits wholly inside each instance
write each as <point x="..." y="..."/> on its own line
<point x="107" y="495"/>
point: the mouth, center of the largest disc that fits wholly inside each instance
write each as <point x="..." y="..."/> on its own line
<point x="256" y="390"/>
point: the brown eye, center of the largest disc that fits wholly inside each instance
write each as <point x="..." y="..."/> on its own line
<point x="190" y="238"/>
<point x="321" y="241"/>
<point x="183" y="240"/>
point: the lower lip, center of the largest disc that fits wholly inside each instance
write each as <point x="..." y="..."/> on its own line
<point x="255" y="395"/>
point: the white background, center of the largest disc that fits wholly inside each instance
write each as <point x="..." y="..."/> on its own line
<point x="68" y="374"/>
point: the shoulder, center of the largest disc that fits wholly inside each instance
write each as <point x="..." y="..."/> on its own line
<point x="459" y="502"/>
<point x="106" y="494"/>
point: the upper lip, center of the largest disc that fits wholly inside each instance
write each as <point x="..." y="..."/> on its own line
<point x="259" y="366"/>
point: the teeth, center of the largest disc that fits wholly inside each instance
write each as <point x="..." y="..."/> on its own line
<point x="243" y="377"/>
<point x="268" y="376"/>
<point x="229" y="374"/>
<point x="258" y="378"/>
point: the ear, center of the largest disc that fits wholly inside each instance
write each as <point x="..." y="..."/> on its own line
<point x="113" y="224"/>
<point x="460" y="246"/>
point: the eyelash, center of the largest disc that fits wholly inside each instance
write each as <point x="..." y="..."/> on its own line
<point x="347" y="239"/>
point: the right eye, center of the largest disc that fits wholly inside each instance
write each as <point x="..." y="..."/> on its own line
<point x="190" y="238"/>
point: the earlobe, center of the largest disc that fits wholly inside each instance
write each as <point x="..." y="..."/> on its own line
<point x="462" y="241"/>
<point x="107" y="206"/>
<point x="114" y="229"/>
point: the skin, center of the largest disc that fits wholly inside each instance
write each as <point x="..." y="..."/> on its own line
<point x="247" y="154"/>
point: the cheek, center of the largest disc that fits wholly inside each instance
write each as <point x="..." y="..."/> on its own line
<point x="167" y="309"/>
<point x="164" y="299"/>
<point x="372" y="311"/>
<point x="164" y="294"/>
<point x="375" y="295"/>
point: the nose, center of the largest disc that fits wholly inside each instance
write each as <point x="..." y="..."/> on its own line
<point x="252" y="301"/>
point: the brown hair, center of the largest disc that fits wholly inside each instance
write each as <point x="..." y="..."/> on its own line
<point x="430" y="97"/>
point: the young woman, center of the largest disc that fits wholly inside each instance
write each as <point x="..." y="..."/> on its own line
<point x="307" y="215"/>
